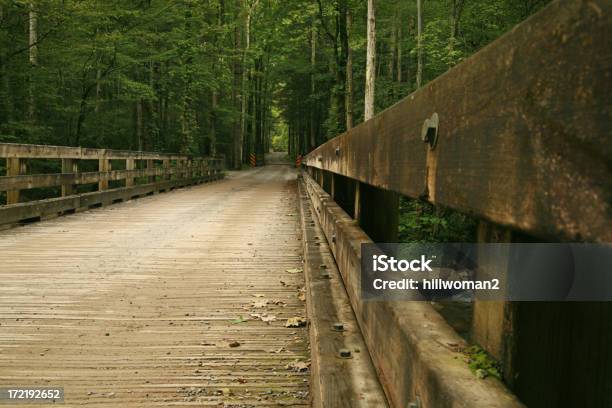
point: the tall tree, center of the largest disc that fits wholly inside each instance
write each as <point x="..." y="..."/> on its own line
<point x="33" y="56"/>
<point x="349" y="73"/>
<point x="370" y="83"/>
<point x="419" y="72"/>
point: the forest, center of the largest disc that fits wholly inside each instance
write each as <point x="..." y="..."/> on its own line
<point x="225" y="77"/>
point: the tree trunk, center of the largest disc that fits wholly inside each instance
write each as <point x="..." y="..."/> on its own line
<point x="370" y="62"/>
<point x="33" y="54"/>
<point x="349" y="73"/>
<point x="455" y="14"/>
<point x="399" y="54"/>
<point x="139" y="126"/>
<point x="313" y="62"/>
<point x="419" y="73"/>
<point x="391" y="62"/>
<point x="236" y="93"/>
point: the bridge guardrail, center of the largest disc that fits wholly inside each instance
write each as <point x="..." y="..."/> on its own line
<point x="159" y="171"/>
<point x="518" y="135"/>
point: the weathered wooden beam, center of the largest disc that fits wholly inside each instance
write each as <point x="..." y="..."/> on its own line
<point x="10" y="214"/>
<point x="12" y="150"/>
<point x="494" y="321"/>
<point x="334" y="383"/>
<point x="523" y="136"/>
<point x="167" y="170"/>
<point x="150" y="167"/>
<point x="55" y="179"/>
<point x="68" y="166"/>
<point x="104" y="166"/>
<point x="415" y="352"/>
<point x="129" y="166"/>
<point x="14" y="167"/>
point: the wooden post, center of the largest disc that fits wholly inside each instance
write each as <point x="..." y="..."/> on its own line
<point x="493" y="320"/>
<point x="129" y="166"/>
<point x="104" y="166"/>
<point x="151" y="166"/>
<point x="14" y="167"/>
<point x="357" y="204"/>
<point x="166" y="165"/>
<point x="69" y="166"/>
<point x="378" y="213"/>
<point x="179" y="169"/>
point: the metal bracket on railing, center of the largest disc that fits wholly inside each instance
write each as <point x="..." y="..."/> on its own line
<point x="429" y="131"/>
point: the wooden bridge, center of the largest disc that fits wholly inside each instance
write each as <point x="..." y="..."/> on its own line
<point x="242" y="288"/>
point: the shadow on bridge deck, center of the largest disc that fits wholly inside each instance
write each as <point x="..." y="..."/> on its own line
<point x="141" y="303"/>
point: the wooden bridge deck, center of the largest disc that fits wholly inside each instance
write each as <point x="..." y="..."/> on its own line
<point x="132" y="304"/>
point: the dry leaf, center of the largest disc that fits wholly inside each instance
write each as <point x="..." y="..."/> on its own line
<point x="260" y="303"/>
<point x="298" y="366"/>
<point x="294" y="270"/>
<point x="295" y="322"/>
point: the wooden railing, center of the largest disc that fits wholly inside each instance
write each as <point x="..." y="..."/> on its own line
<point x="517" y="136"/>
<point x="142" y="173"/>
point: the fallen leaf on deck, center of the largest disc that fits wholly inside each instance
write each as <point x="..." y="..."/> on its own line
<point x="234" y="344"/>
<point x="294" y="270"/>
<point x="264" y="317"/>
<point x="298" y="366"/>
<point x="295" y="322"/>
<point x="260" y="303"/>
<point x="302" y="294"/>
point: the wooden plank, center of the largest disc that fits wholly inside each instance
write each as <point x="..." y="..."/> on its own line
<point x="151" y="167"/>
<point x="13" y="150"/>
<point x="104" y="167"/>
<point x="56" y="179"/>
<point x="415" y="352"/>
<point x="524" y="130"/>
<point x="10" y="214"/>
<point x="14" y="167"/>
<point x="335" y="382"/>
<point x="129" y="166"/>
<point x="68" y="166"/>
<point x="493" y="322"/>
<point x="133" y="316"/>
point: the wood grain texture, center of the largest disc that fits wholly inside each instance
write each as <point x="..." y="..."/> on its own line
<point x="415" y="352"/>
<point x="131" y="305"/>
<point x="335" y="382"/>
<point x="524" y="136"/>
<point x="29" y="151"/>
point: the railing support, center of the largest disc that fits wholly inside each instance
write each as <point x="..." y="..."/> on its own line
<point x="14" y="167"/>
<point x="69" y="166"/>
<point x="129" y="165"/>
<point x="104" y="166"/>
<point x="150" y="167"/>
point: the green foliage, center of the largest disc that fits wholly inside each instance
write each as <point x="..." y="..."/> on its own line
<point x="422" y="222"/>
<point x="481" y="363"/>
<point x="175" y="75"/>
